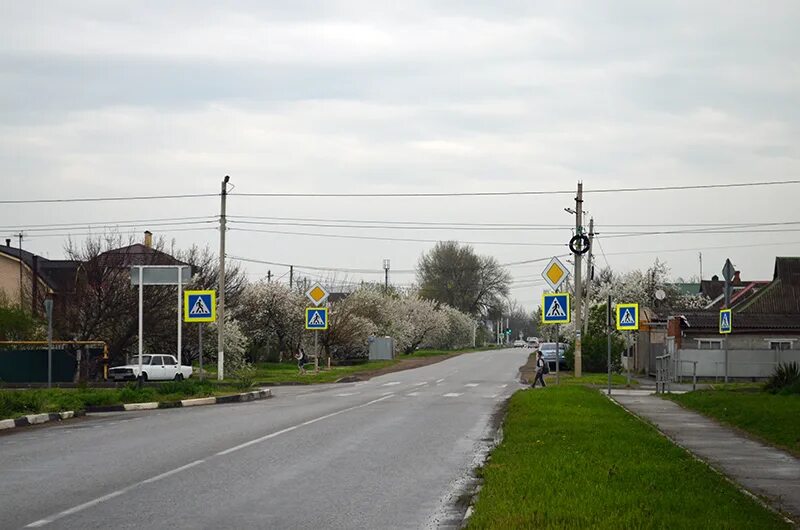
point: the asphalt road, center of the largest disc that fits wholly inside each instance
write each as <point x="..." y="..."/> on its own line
<point x="392" y="452"/>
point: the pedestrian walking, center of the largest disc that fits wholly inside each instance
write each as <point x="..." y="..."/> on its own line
<point x="540" y="370"/>
<point x="301" y="360"/>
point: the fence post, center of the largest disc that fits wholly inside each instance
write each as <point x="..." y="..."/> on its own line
<point x="694" y="375"/>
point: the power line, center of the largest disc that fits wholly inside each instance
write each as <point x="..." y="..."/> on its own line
<point x="405" y="194"/>
<point x="412" y="240"/>
<point x="56" y="229"/>
<point x="82" y="224"/>
<point x="128" y="232"/>
<point x="400" y="227"/>
<point x="107" y="199"/>
<point x="310" y="267"/>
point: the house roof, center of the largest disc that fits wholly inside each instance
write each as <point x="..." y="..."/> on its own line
<point x="59" y="275"/>
<point x="136" y="254"/>
<point x="709" y="320"/>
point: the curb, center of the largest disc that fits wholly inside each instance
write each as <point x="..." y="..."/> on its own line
<point x="38" y="419"/>
<point x="196" y="402"/>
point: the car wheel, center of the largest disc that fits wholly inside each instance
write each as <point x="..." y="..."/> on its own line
<point x="178" y="377"/>
<point x="144" y="377"/>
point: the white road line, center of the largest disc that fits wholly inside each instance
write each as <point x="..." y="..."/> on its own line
<point x="346" y="394"/>
<point x="412" y="394"/>
<point x="503" y="386"/>
<point x="47" y="520"/>
<point x="472" y="385"/>
<point x="386" y="394"/>
<point x="391" y="383"/>
<point x="439" y="381"/>
<point x="420" y="384"/>
<point x="452" y="394"/>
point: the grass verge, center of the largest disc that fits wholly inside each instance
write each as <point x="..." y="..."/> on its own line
<point x="271" y="373"/>
<point x="15" y="403"/>
<point x="568" y="378"/>
<point x="770" y="417"/>
<point x="572" y="459"/>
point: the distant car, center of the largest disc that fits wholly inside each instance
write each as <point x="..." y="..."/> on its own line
<point x="154" y="368"/>
<point x="548" y="350"/>
<point x="520" y="344"/>
<point x="533" y="342"/>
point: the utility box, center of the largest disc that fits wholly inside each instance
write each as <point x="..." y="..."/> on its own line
<point x="381" y="348"/>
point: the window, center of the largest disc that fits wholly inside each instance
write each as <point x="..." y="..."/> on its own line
<point x="780" y="345"/>
<point x="709" y="344"/>
<point x="156" y="361"/>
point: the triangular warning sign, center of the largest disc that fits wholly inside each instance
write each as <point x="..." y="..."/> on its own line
<point x="627" y="318"/>
<point x="200" y="307"/>
<point x="555" y="310"/>
<point x="316" y="319"/>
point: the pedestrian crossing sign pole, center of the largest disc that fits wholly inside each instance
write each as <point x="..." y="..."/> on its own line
<point x="628" y="317"/>
<point x="725" y="321"/>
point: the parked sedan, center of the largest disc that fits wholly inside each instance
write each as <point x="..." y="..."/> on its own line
<point x="154" y="368"/>
<point x="548" y="350"/>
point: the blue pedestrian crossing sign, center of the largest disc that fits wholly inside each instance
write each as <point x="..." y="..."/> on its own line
<point x="317" y="318"/>
<point x="725" y="321"/>
<point x="555" y="308"/>
<point x="628" y="317"/>
<point x="199" y="306"/>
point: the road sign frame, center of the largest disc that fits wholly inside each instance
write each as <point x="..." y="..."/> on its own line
<point x="567" y="308"/>
<point x="324" y="311"/>
<point x="729" y="330"/>
<point x="311" y="289"/>
<point x="555" y="262"/>
<point x="213" y="306"/>
<point x="623" y="327"/>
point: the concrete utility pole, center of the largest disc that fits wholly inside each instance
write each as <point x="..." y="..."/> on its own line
<point x="291" y="276"/>
<point x="386" y="277"/>
<point x="269" y="276"/>
<point x="578" y="282"/>
<point x="221" y="286"/>
<point x="589" y="276"/>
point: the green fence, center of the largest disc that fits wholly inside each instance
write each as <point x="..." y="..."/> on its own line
<point x="30" y="365"/>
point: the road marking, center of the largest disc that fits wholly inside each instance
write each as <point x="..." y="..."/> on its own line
<point x="47" y="520"/>
<point x="452" y="394"/>
<point x="503" y="386"/>
<point x="392" y="383"/>
<point x="421" y="384"/>
<point x="347" y="394"/>
<point x="472" y="385"/>
<point x="412" y="394"/>
<point x="439" y="381"/>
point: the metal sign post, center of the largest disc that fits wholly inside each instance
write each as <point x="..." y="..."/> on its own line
<point x="558" y="361"/>
<point x="48" y="307"/>
<point x="141" y="321"/>
<point x="317" y="317"/>
<point x="608" y="339"/>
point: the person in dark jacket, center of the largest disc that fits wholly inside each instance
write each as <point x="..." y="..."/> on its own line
<point x="539" y="370"/>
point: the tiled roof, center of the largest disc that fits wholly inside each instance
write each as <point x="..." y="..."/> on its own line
<point x="741" y="322"/>
<point x="59" y="275"/>
<point x="136" y="254"/>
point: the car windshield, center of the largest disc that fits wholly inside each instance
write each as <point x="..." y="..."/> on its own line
<point x="145" y="359"/>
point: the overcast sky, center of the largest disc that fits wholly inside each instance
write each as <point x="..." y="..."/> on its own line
<point x="120" y="98"/>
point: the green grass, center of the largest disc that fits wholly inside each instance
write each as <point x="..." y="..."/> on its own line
<point x="272" y="373"/>
<point x="567" y="378"/>
<point x="774" y="418"/>
<point x="15" y="403"/>
<point x="572" y="459"/>
<point x="436" y="353"/>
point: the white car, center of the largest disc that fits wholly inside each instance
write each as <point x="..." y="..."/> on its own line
<point x="154" y="368"/>
<point x="520" y="344"/>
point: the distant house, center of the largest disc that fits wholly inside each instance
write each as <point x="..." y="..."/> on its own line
<point x="766" y="327"/>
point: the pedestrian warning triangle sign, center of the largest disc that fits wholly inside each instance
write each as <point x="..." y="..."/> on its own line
<point x="555" y="310"/>
<point x="627" y="318"/>
<point x="316" y="319"/>
<point x="200" y="308"/>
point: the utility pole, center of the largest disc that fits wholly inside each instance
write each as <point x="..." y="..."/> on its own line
<point x="578" y="282"/>
<point x="291" y="276"/>
<point x="589" y="276"/>
<point x="701" y="266"/>
<point x="269" y="276"/>
<point x="20" y="270"/>
<point x="386" y="277"/>
<point x="221" y="286"/>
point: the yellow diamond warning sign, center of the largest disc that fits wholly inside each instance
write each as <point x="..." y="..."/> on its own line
<point x="317" y="294"/>
<point x="555" y="273"/>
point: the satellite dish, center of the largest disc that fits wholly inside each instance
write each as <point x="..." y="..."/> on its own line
<point x="660" y="294"/>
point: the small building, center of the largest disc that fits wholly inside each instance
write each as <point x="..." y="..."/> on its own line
<point x="766" y="328"/>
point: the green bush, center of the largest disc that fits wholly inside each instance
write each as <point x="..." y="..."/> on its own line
<point x="785" y="379"/>
<point x="245" y="377"/>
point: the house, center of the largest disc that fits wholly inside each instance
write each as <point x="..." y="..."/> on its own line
<point x="27" y="279"/>
<point x="766" y="327"/>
